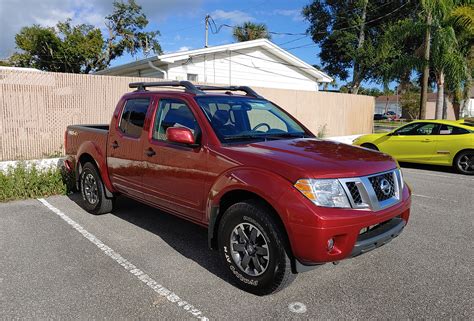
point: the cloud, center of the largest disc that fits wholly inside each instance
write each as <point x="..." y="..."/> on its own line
<point x="184" y="48"/>
<point x="16" y="14"/>
<point x="236" y="17"/>
<point x="294" y="14"/>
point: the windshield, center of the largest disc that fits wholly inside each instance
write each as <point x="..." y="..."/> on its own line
<point x="242" y="118"/>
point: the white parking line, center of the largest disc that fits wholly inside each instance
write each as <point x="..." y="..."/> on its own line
<point x="437" y="175"/>
<point x="139" y="274"/>
<point x="431" y="197"/>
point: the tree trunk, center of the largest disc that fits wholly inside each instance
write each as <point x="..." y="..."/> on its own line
<point x="426" y="69"/>
<point x="445" y="106"/>
<point x="439" y="96"/>
<point x="405" y="82"/>
<point x="356" y="75"/>
<point x="466" y="95"/>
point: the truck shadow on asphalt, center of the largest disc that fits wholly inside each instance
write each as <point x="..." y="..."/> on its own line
<point x="187" y="238"/>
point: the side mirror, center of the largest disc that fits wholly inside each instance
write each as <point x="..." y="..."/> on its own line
<point x="180" y="135"/>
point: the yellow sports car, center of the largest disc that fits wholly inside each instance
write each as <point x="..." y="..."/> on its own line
<point x="438" y="142"/>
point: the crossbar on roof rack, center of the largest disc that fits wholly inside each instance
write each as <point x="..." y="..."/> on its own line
<point x="249" y="91"/>
<point x="188" y="86"/>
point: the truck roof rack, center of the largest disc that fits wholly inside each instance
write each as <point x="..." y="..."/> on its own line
<point x="189" y="87"/>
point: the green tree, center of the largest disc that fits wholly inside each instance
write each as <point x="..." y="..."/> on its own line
<point x="462" y="21"/>
<point x="435" y="43"/>
<point x="126" y="32"/>
<point x="250" y="31"/>
<point x="82" y="48"/>
<point x="410" y="103"/>
<point x="349" y="35"/>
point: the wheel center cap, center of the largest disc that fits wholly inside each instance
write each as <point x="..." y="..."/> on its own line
<point x="250" y="249"/>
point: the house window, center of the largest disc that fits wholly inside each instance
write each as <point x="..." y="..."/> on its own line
<point x="192" y="77"/>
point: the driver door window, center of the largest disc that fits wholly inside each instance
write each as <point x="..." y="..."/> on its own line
<point x="173" y="113"/>
<point x="426" y="129"/>
<point x="418" y="129"/>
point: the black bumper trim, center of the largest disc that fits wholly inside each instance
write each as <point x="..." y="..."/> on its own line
<point x="378" y="237"/>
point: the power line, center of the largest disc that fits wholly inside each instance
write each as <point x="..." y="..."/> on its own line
<point x="350" y="27"/>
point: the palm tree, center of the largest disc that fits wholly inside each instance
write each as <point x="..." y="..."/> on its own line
<point x="448" y="64"/>
<point x="432" y="11"/>
<point x="250" y="31"/>
<point x="462" y="20"/>
<point x="452" y="46"/>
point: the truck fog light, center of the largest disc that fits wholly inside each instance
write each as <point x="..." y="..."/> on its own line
<point x="330" y="244"/>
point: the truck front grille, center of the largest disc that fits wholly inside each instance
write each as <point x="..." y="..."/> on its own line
<point x="354" y="191"/>
<point x="376" y="192"/>
<point x="383" y="185"/>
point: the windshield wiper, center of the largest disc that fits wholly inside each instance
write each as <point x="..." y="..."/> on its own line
<point x="244" y="137"/>
<point x="286" y="135"/>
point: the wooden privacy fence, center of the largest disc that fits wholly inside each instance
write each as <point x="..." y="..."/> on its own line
<point x="36" y="107"/>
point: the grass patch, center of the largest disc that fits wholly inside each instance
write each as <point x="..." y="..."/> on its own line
<point x="22" y="182"/>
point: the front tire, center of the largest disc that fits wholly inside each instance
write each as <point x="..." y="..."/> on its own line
<point x="253" y="249"/>
<point x="370" y="146"/>
<point x="464" y="162"/>
<point x="93" y="191"/>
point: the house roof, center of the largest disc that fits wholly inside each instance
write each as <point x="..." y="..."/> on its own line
<point x="284" y="55"/>
<point x="19" y="69"/>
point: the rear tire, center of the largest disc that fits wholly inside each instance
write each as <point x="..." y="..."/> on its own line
<point x="253" y="249"/>
<point x="370" y="146"/>
<point x="93" y="191"/>
<point x="464" y="162"/>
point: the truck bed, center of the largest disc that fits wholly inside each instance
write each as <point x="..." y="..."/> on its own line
<point x="78" y="134"/>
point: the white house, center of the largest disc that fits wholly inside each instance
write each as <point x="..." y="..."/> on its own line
<point x="258" y="63"/>
<point x="469" y="109"/>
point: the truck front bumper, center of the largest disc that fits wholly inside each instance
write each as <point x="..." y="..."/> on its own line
<point x="378" y="237"/>
<point x="350" y="232"/>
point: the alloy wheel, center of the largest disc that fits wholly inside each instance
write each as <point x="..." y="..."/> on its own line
<point x="466" y="163"/>
<point x="249" y="249"/>
<point x="91" y="191"/>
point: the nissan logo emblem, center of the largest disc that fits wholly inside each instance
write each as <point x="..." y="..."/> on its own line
<point x="385" y="187"/>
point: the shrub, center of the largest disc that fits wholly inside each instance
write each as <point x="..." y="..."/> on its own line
<point x="24" y="181"/>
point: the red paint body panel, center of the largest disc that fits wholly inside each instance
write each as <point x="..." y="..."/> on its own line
<point x="189" y="180"/>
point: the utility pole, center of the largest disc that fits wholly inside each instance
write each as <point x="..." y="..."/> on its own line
<point x="207" y="30"/>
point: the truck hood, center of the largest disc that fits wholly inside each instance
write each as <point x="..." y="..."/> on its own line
<point x="311" y="158"/>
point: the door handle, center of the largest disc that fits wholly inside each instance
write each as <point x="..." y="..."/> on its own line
<point x="150" y="152"/>
<point x="115" y="144"/>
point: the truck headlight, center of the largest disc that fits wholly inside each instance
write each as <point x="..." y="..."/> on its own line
<point x="324" y="192"/>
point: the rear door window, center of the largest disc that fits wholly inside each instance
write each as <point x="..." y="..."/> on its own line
<point x="133" y="116"/>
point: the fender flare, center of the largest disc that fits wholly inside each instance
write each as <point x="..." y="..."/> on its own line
<point x="262" y="183"/>
<point x="92" y="149"/>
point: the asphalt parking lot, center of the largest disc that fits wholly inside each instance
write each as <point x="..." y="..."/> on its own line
<point x="63" y="263"/>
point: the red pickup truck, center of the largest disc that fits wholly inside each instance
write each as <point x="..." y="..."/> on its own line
<point x="275" y="199"/>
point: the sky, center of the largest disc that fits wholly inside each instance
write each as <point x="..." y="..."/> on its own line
<point x="180" y="22"/>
